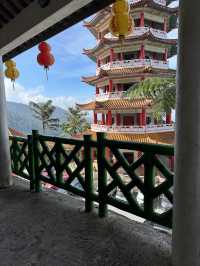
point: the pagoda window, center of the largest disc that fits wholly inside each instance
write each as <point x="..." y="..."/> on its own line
<point x="148" y="120"/>
<point x="137" y="22"/>
<point x="128" y="121"/>
<point x="130" y="55"/>
<point x="127" y="86"/>
<point x="153" y="24"/>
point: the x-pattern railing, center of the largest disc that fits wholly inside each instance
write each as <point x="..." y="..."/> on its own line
<point x="61" y="161"/>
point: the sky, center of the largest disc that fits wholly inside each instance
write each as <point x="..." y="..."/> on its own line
<point x="64" y="86"/>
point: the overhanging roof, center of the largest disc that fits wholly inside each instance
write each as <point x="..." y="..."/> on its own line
<point x="23" y="23"/>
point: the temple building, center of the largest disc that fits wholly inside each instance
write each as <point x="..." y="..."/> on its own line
<point x="143" y="54"/>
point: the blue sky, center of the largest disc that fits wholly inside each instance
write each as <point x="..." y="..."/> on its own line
<point x="64" y="86"/>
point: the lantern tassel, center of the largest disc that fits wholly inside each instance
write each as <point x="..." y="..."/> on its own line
<point x="13" y="83"/>
<point x="46" y="69"/>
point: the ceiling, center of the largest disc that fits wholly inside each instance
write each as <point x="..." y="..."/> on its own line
<point x="9" y="9"/>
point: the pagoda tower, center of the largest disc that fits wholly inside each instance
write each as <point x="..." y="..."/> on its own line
<point x="143" y="54"/>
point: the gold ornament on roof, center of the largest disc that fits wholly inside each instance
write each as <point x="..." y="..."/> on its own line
<point x="121" y="23"/>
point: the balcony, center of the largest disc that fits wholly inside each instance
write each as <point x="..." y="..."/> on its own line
<point x="110" y="96"/>
<point x="135" y="63"/>
<point x="159" y="2"/>
<point x="133" y="129"/>
<point x="138" y="31"/>
<point x="51" y="228"/>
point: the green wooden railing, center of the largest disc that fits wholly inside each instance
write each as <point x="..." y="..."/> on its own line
<point x="61" y="161"/>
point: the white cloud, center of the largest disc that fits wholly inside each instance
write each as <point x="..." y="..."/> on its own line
<point x="21" y="95"/>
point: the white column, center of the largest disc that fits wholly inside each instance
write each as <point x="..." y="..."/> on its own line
<point x="186" y="221"/>
<point x="5" y="169"/>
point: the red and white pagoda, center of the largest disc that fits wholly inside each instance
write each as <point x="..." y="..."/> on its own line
<point x="143" y="54"/>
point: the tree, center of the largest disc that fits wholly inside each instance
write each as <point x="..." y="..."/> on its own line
<point x="76" y="121"/>
<point x="161" y="90"/>
<point x="43" y="112"/>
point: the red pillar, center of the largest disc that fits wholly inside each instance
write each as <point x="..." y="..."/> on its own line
<point x="103" y="119"/>
<point x="165" y="24"/>
<point x="139" y="123"/>
<point x="143" y="117"/>
<point x="142" y="52"/>
<point x="112" y="56"/>
<point x="109" y="119"/>
<point x="98" y="62"/>
<point x="118" y="119"/>
<point x="166" y="55"/>
<point x="142" y="19"/>
<point x="95" y="118"/>
<point x="110" y="85"/>
<point x="97" y="90"/>
<point x="168" y="118"/>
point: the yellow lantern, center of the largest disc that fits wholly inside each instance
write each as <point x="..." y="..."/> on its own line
<point x="11" y="72"/>
<point x="121" y="23"/>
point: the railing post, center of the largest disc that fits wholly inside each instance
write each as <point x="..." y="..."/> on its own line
<point x="35" y="135"/>
<point x="15" y="156"/>
<point x="58" y="163"/>
<point x="88" y="173"/>
<point x="31" y="162"/>
<point x="102" y="174"/>
<point x="149" y="184"/>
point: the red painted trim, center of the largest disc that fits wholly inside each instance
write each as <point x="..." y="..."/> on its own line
<point x="118" y="119"/>
<point x="142" y="19"/>
<point x="103" y="119"/>
<point x="168" y="118"/>
<point x="142" y="52"/>
<point x="166" y="55"/>
<point x="97" y="90"/>
<point x="112" y="55"/>
<point x="144" y="117"/>
<point x="110" y="85"/>
<point x="109" y="118"/>
<point x="95" y="118"/>
<point x="165" y="24"/>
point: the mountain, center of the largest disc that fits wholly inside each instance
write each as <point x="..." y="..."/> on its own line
<point x="20" y="117"/>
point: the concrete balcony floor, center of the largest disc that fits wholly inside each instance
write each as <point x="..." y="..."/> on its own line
<point x="52" y="229"/>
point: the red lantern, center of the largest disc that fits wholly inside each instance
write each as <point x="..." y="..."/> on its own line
<point x="45" y="58"/>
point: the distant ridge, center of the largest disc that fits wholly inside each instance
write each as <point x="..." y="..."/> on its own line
<point x="20" y="118"/>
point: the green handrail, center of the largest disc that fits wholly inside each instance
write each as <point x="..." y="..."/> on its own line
<point x="68" y="164"/>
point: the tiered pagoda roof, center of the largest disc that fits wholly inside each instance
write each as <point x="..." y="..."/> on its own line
<point x="148" y="36"/>
<point x="117" y="104"/>
<point x="128" y="72"/>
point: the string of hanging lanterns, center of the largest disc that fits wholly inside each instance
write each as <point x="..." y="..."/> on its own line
<point x="45" y="58"/>
<point x="121" y="22"/>
<point x="121" y="25"/>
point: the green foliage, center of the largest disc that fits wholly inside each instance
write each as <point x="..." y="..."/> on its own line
<point x="161" y="90"/>
<point x="76" y="122"/>
<point x="43" y="112"/>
